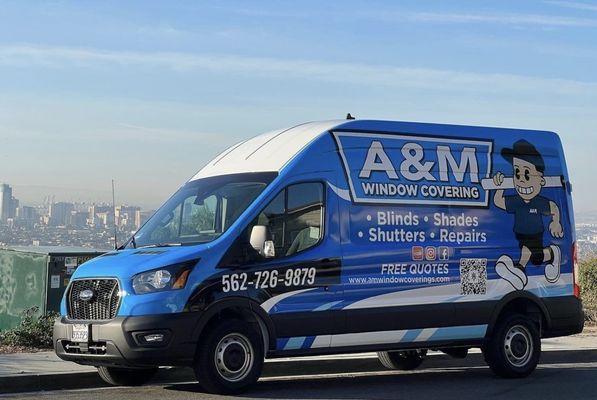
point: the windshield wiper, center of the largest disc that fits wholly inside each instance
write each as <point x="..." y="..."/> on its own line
<point x="160" y="245"/>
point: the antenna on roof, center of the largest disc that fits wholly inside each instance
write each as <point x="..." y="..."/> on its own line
<point x="348" y="116"/>
<point x="114" y="212"/>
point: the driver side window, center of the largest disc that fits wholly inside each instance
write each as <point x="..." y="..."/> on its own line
<point x="293" y="221"/>
<point x="294" y="218"/>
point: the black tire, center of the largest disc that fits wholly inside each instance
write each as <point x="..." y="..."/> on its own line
<point x="126" y="376"/>
<point x="514" y="349"/>
<point x="405" y="360"/>
<point x="240" y="359"/>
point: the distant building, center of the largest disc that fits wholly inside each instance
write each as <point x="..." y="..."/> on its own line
<point x="78" y="219"/>
<point x="141" y="217"/>
<point x="125" y="216"/>
<point x="5" y="201"/>
<point x="105" y="218"/>
<point x="14" y="207"/>
<point x="8" y="204"/>
<point x="98" y="215"/>
<point x="26" y="213"/>
<point x="26" y="217"/>
<point x="60" y="213"/>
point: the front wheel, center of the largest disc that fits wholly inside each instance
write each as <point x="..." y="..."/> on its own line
<point x="514" y="349"/>
<point x="404" y="360"/>
<point x="229" y="358"/>
<point x="126" y="376"/>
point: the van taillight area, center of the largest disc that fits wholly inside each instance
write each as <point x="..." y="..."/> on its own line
<point x="575" y="270"/>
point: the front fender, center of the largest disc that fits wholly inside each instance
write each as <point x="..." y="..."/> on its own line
<point x="242" y="307"/>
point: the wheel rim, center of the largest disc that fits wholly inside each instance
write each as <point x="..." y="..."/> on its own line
<point x="518" y="345"/>
<point x="234" y="357"/>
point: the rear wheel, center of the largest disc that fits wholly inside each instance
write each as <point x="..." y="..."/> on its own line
<point x="514" y="349"/>
<point x="404" y="360"/>
<point x="126" y="376"/>
<point x="229" y="358"/>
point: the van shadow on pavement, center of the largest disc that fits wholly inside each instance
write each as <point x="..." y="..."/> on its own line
<point x="561" y="374"/>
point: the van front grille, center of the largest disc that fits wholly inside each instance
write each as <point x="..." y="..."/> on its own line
<point x="101" y="304"/>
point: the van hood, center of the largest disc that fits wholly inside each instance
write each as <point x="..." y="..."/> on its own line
<point x="129" y="262"/>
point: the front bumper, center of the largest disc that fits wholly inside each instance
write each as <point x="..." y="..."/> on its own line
<point x="118" y="342"/>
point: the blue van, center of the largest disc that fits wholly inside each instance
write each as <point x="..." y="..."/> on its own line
<point x="336" y="237"/>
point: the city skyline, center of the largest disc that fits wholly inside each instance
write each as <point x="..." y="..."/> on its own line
<point x="34" y="195"/>
<point x="48" y="200"/>
<point x="58" y="223"/>
<point x="146" y="95"/>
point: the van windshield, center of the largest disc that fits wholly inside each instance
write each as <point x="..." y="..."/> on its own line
<point x="201" y="210"/>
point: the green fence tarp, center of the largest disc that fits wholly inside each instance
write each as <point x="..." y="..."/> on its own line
<point x="22" y="285"/>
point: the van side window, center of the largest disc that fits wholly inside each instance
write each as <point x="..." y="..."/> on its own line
<point x="294" y="218"/>
<point x="304" y="213"/>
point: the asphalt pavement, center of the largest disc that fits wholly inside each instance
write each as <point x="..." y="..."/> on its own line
<point x="563" y="374"/>
<point x="568" y="370"/>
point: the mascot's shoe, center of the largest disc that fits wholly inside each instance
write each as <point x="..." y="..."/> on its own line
<point x="552" y="270"/>
<point x="514" y="274"/>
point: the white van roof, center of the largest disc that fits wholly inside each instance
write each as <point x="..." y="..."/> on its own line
<point x="268" y="152"/>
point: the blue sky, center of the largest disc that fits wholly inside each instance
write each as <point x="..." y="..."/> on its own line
<point x="146" y="92"/>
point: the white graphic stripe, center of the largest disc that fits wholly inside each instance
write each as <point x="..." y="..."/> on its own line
<point x="322" y="341"/>
<point x="425" y="334"/>
<point x="271" y="303"/>
<point x="397" y="336"/>
<point x="351" y="339"/>
<point x="344" y="194"/>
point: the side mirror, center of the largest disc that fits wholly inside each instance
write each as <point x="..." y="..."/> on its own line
<point x="259" y="241"/>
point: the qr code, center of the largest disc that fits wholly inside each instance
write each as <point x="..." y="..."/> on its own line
<point x="473" y="276"/>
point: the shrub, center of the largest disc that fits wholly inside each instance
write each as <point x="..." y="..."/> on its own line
<point x="588" y="285"/>
<point x="34" y="330"/>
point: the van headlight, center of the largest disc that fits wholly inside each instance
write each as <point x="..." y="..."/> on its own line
<point x="168" y="278"/>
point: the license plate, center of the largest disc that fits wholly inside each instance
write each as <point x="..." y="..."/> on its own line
<point x="80" y="333"/>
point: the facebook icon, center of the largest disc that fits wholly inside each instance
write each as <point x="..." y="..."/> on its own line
<point x="444" y="253"/>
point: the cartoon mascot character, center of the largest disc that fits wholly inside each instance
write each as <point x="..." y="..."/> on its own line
<point x="529" y="209"/>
